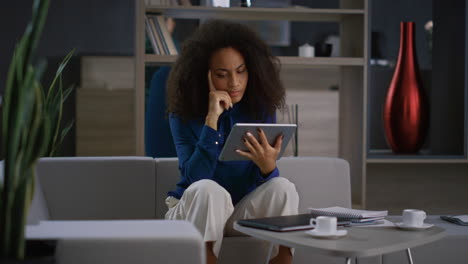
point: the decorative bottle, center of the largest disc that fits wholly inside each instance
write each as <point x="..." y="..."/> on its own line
<point x="406" y="111"/>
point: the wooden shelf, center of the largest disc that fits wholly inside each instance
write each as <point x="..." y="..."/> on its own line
<point x="299" y="62"/>
<point x="240" y="13"/>
<point x="159" y="59"/>
<point x="428" y="160"/>
<point x="386" y="156"/>
<point x="321" y="61"/>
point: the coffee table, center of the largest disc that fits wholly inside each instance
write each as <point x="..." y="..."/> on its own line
<point x="359" y="242"/>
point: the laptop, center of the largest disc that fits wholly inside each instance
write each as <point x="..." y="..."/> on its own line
<point x="283" y="223"/>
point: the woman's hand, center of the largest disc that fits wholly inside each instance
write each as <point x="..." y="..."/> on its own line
<point x="261" y="152"/>
<point x="218" y="102"/>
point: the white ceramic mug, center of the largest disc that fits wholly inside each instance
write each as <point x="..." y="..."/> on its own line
<point x="413" y="217"/>
<point x="324" y="224"/>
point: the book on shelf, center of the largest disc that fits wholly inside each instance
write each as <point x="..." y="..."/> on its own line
<point x="169" y="43"/>
<point x="160" y="37"/>
<point x="163" y="2"/>
<point x="150" y="34"/>
<point x="348" y="213"/>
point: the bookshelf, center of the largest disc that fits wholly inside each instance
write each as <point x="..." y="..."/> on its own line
<point x="352" y="17"/>
<point x="286" y="61"/>
<point x="240" y="13"/>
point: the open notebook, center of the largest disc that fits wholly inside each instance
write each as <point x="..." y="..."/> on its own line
<point x="354" y="215"/>
<point x="457" y="219"/>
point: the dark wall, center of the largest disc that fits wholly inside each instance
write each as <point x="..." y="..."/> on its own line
<point x="88" y="26"/>
<point x="448" y="78"/>
<point x="385" y="21"/>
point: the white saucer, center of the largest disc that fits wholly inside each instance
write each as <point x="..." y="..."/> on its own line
<point x="314" y="233"/>
<point x="408" y="227"/>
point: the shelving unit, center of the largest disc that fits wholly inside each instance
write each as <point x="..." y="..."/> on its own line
<point x="285" y="61"/>
<point x="352" y="16"/>
<point x="435" y="178"/>
<point x="239" y="13"/>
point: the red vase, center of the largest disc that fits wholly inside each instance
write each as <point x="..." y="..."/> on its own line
<point x="406" y="112"/>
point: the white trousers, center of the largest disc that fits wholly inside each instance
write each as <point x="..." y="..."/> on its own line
<point x="209" y="207"/>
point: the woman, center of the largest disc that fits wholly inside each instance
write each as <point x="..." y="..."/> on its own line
<point x="224" y="75"/>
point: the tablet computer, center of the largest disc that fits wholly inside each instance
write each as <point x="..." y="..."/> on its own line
<point x="280" y="223"/>
<point x="272" y="131"/>
<point x="283" y="223"/>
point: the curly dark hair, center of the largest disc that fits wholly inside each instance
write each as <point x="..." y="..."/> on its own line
<point x="188" y="89"/>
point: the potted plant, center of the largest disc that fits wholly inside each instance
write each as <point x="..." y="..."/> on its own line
<point x="31" y="129"/>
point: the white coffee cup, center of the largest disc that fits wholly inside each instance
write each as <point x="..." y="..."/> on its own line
<point x="413" y="217"/>
<point x="324" y="224"/>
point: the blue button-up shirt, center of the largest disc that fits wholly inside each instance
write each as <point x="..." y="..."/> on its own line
<point x="198" y="147"/>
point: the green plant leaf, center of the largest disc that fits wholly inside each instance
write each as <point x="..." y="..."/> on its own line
<point x="39" y="16"/>
<point x="64" y="133"/>
<point x="59" y="71"/>
<point x="33" y="140"/>
<point x="31" y="119"/>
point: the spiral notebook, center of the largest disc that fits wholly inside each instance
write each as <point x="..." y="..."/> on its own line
<point x="458" y="219"/>
<point x="343" y="213"/>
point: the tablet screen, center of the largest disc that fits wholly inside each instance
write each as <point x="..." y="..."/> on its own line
<point x="272" y="131"/>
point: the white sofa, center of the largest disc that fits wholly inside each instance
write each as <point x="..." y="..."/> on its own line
<point x="134" y="188"/>
<point x="111" y="188"/>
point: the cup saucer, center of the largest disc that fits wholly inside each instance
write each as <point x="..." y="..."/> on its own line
<point x="410" y="227"/>
<point x="337" y="234"/>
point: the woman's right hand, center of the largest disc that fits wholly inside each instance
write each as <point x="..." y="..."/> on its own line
<point x="218" y="102"/>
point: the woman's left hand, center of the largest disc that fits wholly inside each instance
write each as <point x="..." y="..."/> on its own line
<point x="261" y="152"/>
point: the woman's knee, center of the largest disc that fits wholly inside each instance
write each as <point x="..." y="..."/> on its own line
<point x="281" y="184"/>
<point x="208" y="189"/>
<point x="281" y="187"/>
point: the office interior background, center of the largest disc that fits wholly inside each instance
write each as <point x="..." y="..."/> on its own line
<point x="107" y="29"/>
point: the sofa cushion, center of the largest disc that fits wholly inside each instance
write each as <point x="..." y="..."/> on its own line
<point x="167" y="176"/>
<point x="320" y="181"/>
<point x="83" y="188"/>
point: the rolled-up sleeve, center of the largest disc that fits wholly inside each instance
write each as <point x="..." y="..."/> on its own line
<point x="264" y="178"/>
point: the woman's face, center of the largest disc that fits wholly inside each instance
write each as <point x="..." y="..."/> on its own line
<point x="229" y="73"/>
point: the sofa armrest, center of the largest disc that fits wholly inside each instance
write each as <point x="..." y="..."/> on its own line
<point x="167" y="176"/>
<point x="119" y="242"/>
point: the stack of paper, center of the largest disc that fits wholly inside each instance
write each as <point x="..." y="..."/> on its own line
<point x="353" y="215"/>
